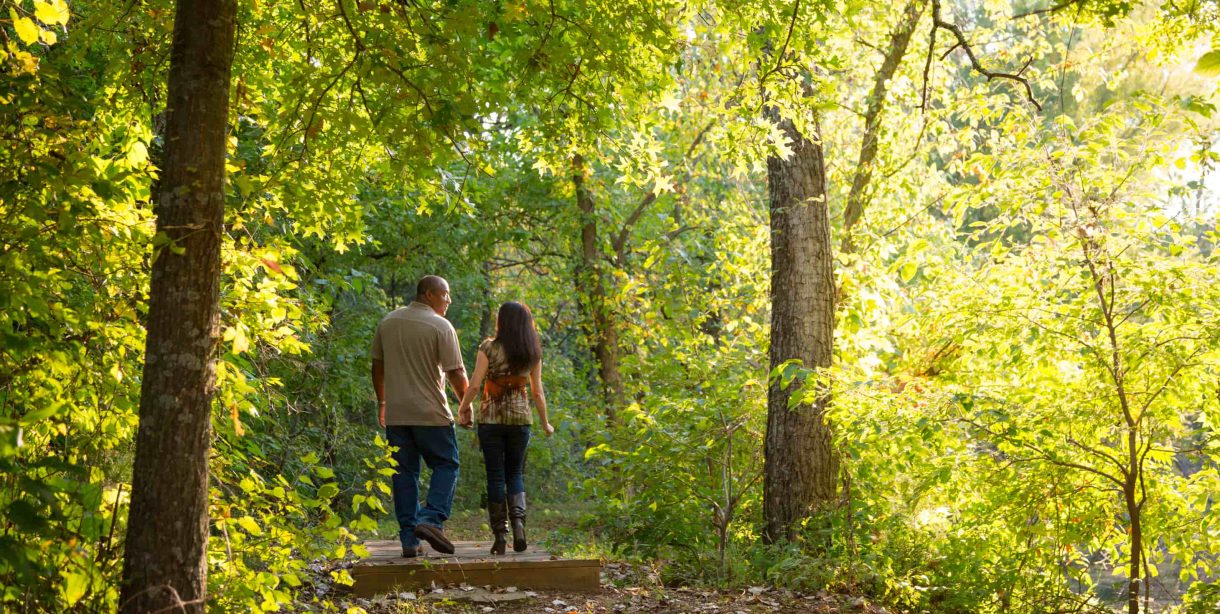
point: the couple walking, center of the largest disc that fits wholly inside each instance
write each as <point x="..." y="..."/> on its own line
<point x="415" y="350"/>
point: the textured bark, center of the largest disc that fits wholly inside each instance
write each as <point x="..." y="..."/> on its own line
<point x="1135" y="541"/>
<point x="487" y="321"/>
<point x="165" y="559"/>
<point x="801" y="466"/>
<point x="900" y="39"/>
<point x="603" y="335"/>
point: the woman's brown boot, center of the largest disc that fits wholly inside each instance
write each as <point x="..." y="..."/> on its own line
<point x="497" y="518"/>
<point x="516" y="515"/>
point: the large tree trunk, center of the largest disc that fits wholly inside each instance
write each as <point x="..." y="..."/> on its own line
<point x="801" y="466"/>
<point x="602" y="333"/>
<point x="165" y="562"/>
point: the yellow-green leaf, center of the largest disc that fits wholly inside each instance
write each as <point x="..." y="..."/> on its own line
<point x="907" y="271"/>
<point x="27" y="31"/>
<point x="249" y="525"/>
<point x="54" y="12"/>
<point x="138" y="154"/>
<point x="327" y="491"/>
<point x="75" y="586"/>
<point x="1209" y="64"/>
<point x="240" y="342"/>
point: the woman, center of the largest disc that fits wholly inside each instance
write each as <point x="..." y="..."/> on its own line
<point x="504" y="366"/>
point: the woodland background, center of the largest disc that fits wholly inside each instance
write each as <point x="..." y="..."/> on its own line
<point x="1018" y="276"/>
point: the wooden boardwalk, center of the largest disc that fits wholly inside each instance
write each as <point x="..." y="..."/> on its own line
<point x="386" y="570"/>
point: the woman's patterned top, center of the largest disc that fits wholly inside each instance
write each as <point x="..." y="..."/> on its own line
<point x="513" y="407"/>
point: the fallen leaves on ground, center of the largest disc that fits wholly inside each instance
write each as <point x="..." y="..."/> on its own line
<point x="618" y="595"/>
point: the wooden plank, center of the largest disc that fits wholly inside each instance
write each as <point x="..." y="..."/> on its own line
<point x="386" y="570"/>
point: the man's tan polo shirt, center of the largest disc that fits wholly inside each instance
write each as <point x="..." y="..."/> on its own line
<point x="417" y="347"/>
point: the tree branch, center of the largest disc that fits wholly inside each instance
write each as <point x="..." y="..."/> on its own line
<point x="1121" y="467"/>
<point x="1054" y="8"/>
<point x="620" y="241"/>
<point x="938" y="23"/>
<point x="1042" y="454"/>
<point x="899" y="41"/>
<point x="351" y="29"/>
<point x="927" y="68"/>
<point x="779" y="59"/>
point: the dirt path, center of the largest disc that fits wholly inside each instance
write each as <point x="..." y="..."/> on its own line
<point x="616" y="596"/>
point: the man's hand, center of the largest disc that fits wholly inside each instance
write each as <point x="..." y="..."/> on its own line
<point x="465" y="417"/>
<point x="381" y="413"/>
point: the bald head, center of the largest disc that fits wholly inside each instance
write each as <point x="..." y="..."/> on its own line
<point x="430" y="283"/>
<point x="433" y="291"/>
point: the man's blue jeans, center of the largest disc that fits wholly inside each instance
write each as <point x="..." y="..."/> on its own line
<point x="504" y="456"/>
<point x="437" y="445"/>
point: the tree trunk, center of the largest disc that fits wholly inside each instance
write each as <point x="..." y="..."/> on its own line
<point x="801" y="466"/>
<point x="603" y="335"/>
<point x="165" y="565"/>
<point x="487" y="320"/>
<point x="1134" y="504"/>
<point x="1136" y="544"/>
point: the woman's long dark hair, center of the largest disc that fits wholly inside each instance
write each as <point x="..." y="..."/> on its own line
<point x="516" y="334"/>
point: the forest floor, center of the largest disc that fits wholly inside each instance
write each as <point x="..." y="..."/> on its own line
<point x="615" y="598"/>
<point x="626" y="587"/>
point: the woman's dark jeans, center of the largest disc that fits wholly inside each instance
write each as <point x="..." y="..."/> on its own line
<point x="504" y="456"/>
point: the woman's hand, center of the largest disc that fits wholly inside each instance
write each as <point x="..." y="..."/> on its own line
<point x="465" y="416"/>
<point x="548" y="429"/>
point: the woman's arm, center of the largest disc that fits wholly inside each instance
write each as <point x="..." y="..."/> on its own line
<point x="540" y="398"/>
<point x="379" y="388"/>
<point x="465" y="417"/>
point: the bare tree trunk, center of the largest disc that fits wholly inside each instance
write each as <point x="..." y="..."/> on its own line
<point x="165" y="565"/>
<point x="1104" y="280"/>
<point x="801" y="466"/>
<point x="1136" y="544"/>
<point x="603" y="335"/>
<point x="900" y="39"/>
<point x="487" y="321"/>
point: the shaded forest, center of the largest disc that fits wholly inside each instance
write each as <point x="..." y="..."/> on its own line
<point x="916" y="302"/>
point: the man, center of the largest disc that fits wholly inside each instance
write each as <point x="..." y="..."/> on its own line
<point x="415" y="349"/>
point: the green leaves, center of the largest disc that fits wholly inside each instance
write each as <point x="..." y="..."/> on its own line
<point x="362" y="156"/>
<point x="51" y="13"/>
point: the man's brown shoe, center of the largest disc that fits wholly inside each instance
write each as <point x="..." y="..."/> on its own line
<point x="435" y="536"/>
<point x="410" y="553"/>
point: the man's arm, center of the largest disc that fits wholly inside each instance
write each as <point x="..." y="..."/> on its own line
<point x="450" y="359"/>
<point x="457" y="379"/>
<point x="379" y="388"/>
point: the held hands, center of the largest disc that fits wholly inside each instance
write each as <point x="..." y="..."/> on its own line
<point x="465" y="417"/>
